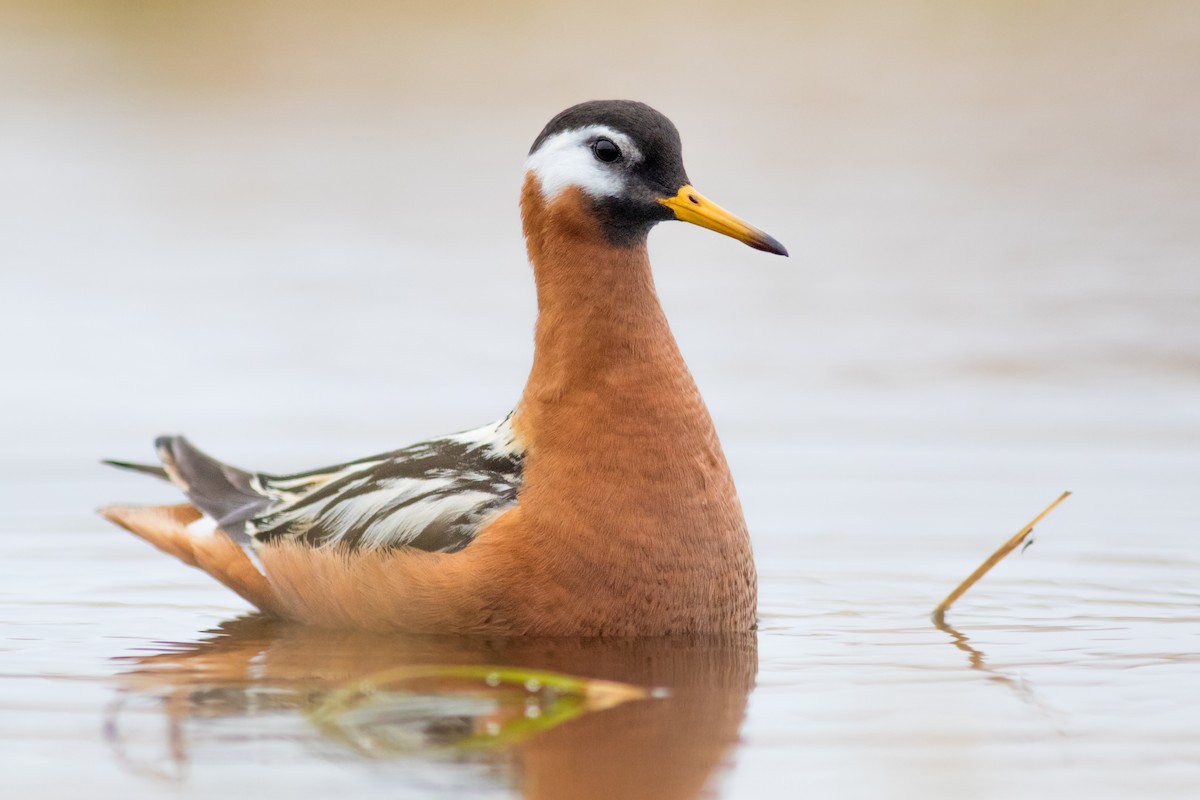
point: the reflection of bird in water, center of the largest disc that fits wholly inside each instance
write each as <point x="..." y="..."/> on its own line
<point x="601" y="505"/>
<point x="259" y="672"/>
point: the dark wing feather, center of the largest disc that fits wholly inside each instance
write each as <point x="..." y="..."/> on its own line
<point x="145" y="469"/>
<point x="433" y="496"/>
<point x="227" y="494"/>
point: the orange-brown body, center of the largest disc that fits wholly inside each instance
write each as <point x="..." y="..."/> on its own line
<point x="627" y="521"/>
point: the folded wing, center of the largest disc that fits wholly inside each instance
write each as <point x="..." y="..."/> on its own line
<point x="433" y="496"/>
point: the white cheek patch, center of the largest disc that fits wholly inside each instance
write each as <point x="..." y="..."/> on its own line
<point x="566" y="159"/>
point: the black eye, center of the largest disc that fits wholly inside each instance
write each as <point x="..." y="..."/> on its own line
<point x="606" y="151"/>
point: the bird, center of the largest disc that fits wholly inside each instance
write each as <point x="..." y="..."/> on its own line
<point x="601" y="505"/>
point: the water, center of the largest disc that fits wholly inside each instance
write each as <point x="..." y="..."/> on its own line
<point x="290" y="231"/>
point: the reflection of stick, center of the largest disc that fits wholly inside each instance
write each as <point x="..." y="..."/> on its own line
<point x="939" y="613"/>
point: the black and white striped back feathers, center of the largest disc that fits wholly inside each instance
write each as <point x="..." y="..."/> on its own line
<point x="433" y="496"/>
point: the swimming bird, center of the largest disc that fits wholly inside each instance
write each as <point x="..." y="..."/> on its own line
<point x="602" y="505"/>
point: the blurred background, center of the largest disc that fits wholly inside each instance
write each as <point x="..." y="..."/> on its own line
<point x="290" y="230"/>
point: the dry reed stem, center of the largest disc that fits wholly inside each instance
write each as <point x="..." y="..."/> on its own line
<point x="939" y="613"/>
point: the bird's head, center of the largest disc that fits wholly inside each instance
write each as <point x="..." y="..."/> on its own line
<point x="627" y="160"/>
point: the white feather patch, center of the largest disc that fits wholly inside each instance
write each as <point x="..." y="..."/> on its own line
<point x="565" y="159"/>
<point x="419" y="516"/>
<point x="203" y="528"/>
<point x="499" y="437"/>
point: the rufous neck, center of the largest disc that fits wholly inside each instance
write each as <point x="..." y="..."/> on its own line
<point x="597" y="305"/>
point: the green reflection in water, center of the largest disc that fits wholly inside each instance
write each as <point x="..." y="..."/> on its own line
<point x="630" y="718"/>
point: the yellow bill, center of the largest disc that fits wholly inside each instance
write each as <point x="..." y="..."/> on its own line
<point x="691" y="206"/>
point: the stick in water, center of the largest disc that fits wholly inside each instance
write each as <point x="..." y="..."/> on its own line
<point x="939" y="613"/>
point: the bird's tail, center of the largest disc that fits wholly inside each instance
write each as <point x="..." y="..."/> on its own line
<point x="179" y="531"/>
<point x="226" y="494"/>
